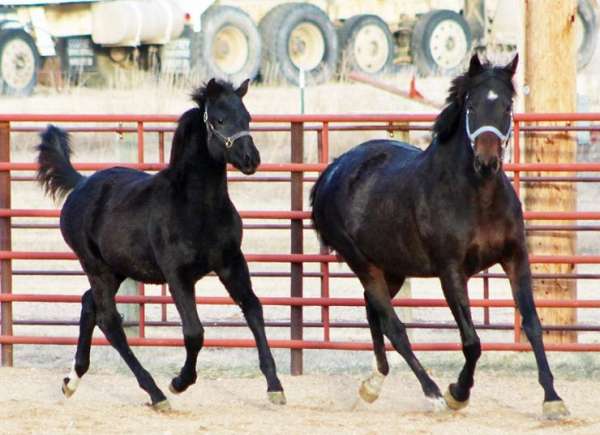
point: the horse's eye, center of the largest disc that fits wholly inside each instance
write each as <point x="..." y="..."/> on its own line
<point x="220" y="121"/>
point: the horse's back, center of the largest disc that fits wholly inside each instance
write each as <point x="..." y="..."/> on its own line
<point x="362" y="163"/>
<point x="344" y="190"/>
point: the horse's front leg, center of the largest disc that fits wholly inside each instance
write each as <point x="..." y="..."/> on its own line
<point x="454" y="284"/>
<point x="519" y="273"/>
<point x="236" y="279"/>
<point x="193" y="333"/>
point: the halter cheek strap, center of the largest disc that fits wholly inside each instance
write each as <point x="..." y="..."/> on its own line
<point x="227" y="140"/>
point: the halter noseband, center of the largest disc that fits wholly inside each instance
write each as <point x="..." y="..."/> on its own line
<point x="227" y="140"/>
<point x="504" y="137"/>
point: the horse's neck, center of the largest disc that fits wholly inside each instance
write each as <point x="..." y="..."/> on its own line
<point x="200" y="177"/>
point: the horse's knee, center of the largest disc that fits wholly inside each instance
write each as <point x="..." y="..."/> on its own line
<point x="250" y="304"/>
<point x="108" y="320"/>
<point x="194" y="340"/>
<point x="472" y="350"/>
<point x="87" y="300"/>
<point x="532" y="325"/>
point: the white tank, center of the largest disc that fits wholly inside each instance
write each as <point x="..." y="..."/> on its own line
<point x="129" y="23"/>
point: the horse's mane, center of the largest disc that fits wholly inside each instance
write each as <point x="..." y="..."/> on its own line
<point x="191" y="121"/>
<point x="210" y="89"/>
<point x="448" y="120"/>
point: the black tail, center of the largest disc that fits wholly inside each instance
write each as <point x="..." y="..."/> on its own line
<point x="56" y="173"/>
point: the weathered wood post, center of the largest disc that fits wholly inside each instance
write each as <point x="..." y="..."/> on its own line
<point x="6" y="328"/>
<point x="297" y="245"/>
<point x="550" y="74"/>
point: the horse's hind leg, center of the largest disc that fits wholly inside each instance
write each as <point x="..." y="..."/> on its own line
<point x="378" y="296"/>
<point x="454" y="284"/>
<point x="193" y="332"/>
<point x="371" y="387"/>
<point x="236" y="279"/>
<point x="108" y="319"/>
<point x="81" y="363"/>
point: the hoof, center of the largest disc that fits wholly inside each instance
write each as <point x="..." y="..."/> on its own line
<point x="453" y="404"/>
<point x="371" y="387"/>
<point x="555" y="410"/>
<point x="438" y="404"/>
<point x="174" y="390"/>
<point x="162" y="406"/>
<point x="68" y="392"/>
<point x="277" y="397"/>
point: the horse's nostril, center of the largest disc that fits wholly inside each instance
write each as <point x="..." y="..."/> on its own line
<point x="247" y="160"/>
<point x="494" y="164"/>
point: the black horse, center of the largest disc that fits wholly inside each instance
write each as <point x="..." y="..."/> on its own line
<point x="392" y="211"/>
<point x="175" y="227"/>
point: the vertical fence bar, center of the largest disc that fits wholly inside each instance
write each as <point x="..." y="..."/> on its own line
<point x="324" y="158"/>
<point x="296" y="289"/>
<point x="486" y="296"/>
<point x="6" y="245"/>
<point x="517" y="186"/>
<point x="161" y="159"/>
<point x="141" y="289"/>
<point x="323" y="151"/>
<point x="128" y="151"/>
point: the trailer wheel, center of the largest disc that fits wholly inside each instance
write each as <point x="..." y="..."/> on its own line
<point x="298" y="36"/>
<point x="368" y="44"/>
<point x="440" y="42"/>
<point x="230" y="45"/>
<point x="586" y="32"/>
<point x="19" y="63"/>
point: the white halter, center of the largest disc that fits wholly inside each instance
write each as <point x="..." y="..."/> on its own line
<point x="504" y="137"/>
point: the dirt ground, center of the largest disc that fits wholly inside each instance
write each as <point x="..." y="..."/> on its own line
<point x="31" y="403"/>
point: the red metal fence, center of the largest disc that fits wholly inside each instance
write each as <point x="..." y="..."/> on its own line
<point x="296" y="220"/>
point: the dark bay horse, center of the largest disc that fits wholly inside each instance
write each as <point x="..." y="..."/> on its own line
<point x="392" y="211"/>
<point x="175" y="227"/>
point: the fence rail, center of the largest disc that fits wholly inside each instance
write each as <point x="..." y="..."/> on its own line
<point x="297" y="174"/>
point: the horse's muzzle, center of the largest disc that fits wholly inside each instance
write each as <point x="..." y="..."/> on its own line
<point x="250" y="162"/>
<point x="488" y="154"/>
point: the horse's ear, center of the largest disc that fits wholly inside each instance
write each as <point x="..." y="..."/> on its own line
<point x="213" y="88"/>
<point x="512" y="65"/>
<point x="243" y="89"/>
<point x="475" y="66"/>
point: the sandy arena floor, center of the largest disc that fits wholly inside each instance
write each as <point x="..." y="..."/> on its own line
<point x="30" y="403"/>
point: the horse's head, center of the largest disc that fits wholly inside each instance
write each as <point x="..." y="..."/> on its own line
<point x="481" y="100"/>
<point x="227" y="125"/>
<point x="488" y="114"/>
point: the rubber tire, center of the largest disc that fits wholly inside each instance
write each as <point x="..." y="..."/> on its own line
<point x="587" y="15"/>
<point x="213" y="20"/>
<point x="275" y="29"/>
<point x="5" y="37"/>
<point x="347" y="34"/>
<point x="420" y="50"/>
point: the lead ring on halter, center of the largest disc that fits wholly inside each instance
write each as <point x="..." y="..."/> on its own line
<point x="227" y="140"/>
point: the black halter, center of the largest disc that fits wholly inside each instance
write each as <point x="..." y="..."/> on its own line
<point x="227" y="140"/>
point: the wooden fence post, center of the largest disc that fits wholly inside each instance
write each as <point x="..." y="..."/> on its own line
<point x="297" y="245"/>
<point x="550" y="76"/>
<point x="5" y="245"/>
